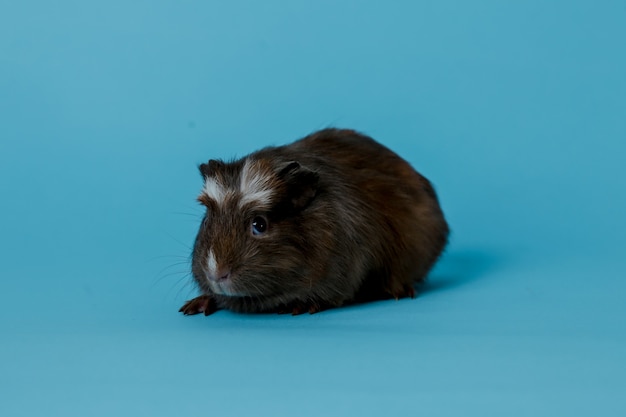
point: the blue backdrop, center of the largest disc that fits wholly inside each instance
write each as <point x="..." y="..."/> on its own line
<point x="515" y="110"/>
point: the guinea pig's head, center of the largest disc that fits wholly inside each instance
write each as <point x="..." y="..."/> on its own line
<point x="250" y="242"/>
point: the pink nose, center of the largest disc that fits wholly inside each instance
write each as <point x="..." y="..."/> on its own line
<point x="221" y="274"/>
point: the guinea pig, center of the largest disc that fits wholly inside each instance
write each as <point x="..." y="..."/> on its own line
<point x="331" y="219"/>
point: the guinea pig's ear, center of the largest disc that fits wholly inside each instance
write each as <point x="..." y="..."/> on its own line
<point x="301" y="184"/>
<point x="210" y="168"/>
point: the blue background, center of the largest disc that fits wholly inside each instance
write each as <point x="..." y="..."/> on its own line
<point x="515" y="110"/>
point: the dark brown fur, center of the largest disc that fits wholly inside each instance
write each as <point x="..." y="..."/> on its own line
<point x="351" y="222"/>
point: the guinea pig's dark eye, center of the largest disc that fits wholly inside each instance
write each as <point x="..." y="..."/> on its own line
<point x="259" y="225"/>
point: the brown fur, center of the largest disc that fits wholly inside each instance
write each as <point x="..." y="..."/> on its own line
<point x="349" y="221"/>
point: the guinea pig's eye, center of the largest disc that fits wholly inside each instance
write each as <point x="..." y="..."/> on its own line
<point x="259" y="225"/>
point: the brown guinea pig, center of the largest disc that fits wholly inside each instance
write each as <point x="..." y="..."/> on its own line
<point x="331" y="219"/>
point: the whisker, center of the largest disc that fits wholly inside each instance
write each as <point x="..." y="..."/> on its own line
<point x="182" y="213"/>
<point x="185" y="285"/>
<point x="155" y="258"/>
<point x="185" y="271"/>
<point x="178" y="241"/>
<point x="186" y="262"/>
<point x="160" y="279"/>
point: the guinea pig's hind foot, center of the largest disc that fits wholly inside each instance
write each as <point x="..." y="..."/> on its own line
<point x="301" y="307"/>
<point x="203" y="304"/>
<point x="404" y="291"/>
<point x="295" y="309"/>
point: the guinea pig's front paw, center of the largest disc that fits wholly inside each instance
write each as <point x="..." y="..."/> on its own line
<point x="203" y="304"/>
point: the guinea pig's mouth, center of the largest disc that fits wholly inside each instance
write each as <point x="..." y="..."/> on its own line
<point x="225" y="287"/>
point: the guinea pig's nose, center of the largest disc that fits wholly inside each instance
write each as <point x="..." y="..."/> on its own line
<point x="221" y="274"/>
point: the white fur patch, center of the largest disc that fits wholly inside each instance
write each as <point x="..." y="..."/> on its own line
<point x="214" y="190"/>
<point x="255" y="185"/>
<point x="211" y="264"/>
